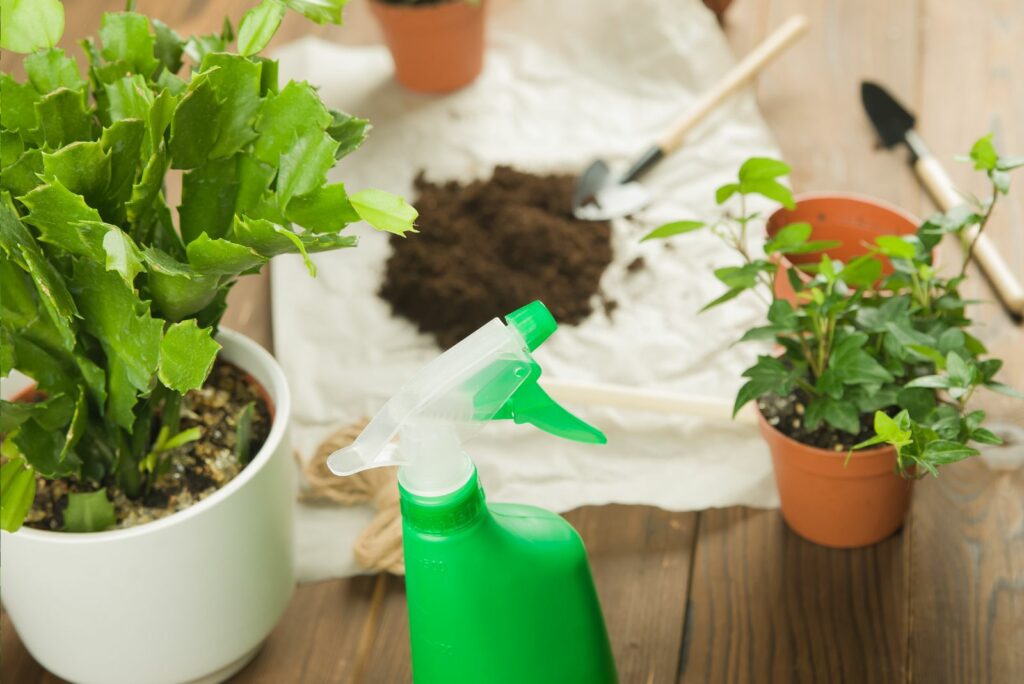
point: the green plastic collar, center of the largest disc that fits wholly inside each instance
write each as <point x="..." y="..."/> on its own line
<point x="443" y="514"/>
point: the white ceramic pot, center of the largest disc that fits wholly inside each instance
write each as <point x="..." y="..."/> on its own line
<point x="188" y="598"/>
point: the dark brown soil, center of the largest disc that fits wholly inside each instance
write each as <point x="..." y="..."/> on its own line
<point x="198" y="469"/>
<point x="786" y="414"/>
<point x="489" y="247"/>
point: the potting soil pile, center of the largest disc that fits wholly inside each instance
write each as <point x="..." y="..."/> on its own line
<point x="486" y="247"/>
<point x="564" y="82"/>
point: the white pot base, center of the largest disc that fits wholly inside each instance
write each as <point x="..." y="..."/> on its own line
<point x="229" y="670"/>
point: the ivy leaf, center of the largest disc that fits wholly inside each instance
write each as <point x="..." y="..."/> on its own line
<point x="89" y="512"/>
<point x="983" y="154"/>
<point x="671" y="229"/>
<point x="258" y="26"/>
<point x="895" y="246"/>
<point x="27" y="25"/>
<point x="385" y="211"/>
<point x="1005" y="389"/>
<point x="944" y="451"/>
<point x="187" y="353"/>
<point x="17" y="491"/>
<point x="854" y="365"/>
<point x="319" y="11"/>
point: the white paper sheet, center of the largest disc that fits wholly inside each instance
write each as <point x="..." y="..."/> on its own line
<point x="564" y="82"/>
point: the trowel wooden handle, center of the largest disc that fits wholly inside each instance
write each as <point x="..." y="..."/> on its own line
<point x="636" y="399"/>
<point x="1004" y="282"/>
<point x="740" y="75"/>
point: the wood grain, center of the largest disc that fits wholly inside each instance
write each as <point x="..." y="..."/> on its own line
<point x="766" y="605"/>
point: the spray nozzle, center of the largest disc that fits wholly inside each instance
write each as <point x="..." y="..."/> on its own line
<point x="490" y="375"/>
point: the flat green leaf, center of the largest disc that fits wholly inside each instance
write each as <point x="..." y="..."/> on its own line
<point x="325" y="210"/>
<point x="81" y="167"/>
<point x="304" y="167"/>
<point x="862" y="272"/>
<point x="27" y="25"/>
<point x="782" y="315"/>
<point x="208" y="197"/>
<point x="178" y="291"/>
<point x="23" y="175"/>
<point x="18" y="105"/>
<point x="385" y="211"/>
<point x="961" y="374"/>
<point x="17" y="491"/>
<point x="221" y="257"/>
<point x="284" y="116"/>
<point x="984" y="436"/>
<point x="52" y="291"/>
<point x="919" y="401"/>
<point x="168" y="46"/>
<point x="728" y="295"/>
<point x="319" y="11"/>
<point x="258" y="26"/>
<point x="929" y="381"/>
<point x="122" y="323"/>
<point x="51" y="69"/>
<point x="895" y="246"/>
<point x="841" y="415"/>
<point x="89" y="512"/>
<point x="123" y="256"/>
<point x="983" y="154"/>
<point x="788" y="238"/>
<point x="770" y="189"/>
<point x="8" y="357"/>
<point x="674" y="228"/>
<point x="243" y="433"/>
<point x="854" y="365"/>
<point x="236" y="85"/>
<point x="126" y="38"/>
<point x="759" y="168"/>
<point x="254" y="179"/>
<point x="57" y="212"/>
<point x="269" y="239"/>
<point x="1005" y="389"/>
<point x="123" y="142"/>
<point x="349" y="131"/>
<point x="723" y="193"/>
<point x="43" y="449"/>
<point x="744" y="276"/>
<point x="192" y="135"/>
<point x="944" y="451"/>
<point x="52" y="413"/>
<point x="187" y="353"/>
<point x="63" y="118"/>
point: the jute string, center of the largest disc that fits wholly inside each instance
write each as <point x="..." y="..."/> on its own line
<point x="379" y="546"/>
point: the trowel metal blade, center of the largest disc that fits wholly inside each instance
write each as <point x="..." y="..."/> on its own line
<point x="614" y="201"/>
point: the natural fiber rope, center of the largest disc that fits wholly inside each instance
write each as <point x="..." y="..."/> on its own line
<point x="379" y="546"/>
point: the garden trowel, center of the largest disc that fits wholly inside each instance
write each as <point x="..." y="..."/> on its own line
<point x="600" y="195"/>
<point x="894" y="125"/>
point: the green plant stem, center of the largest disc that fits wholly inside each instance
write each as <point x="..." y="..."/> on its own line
<point x="981" y="227"/>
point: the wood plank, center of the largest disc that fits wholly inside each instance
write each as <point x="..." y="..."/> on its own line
<point x="967" y="579"/>
<point x="640" y="558"/>
<point x="766" y="605"/>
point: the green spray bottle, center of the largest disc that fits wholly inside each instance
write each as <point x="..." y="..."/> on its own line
<point x="497" y="593"/>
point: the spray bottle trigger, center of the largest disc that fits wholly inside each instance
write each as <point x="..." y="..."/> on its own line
<point x="531" y="404"/>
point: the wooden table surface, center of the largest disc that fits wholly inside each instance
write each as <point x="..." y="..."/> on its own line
<point x="732" y="595"/>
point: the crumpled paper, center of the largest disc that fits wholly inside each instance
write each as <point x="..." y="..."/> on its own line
<point x="564" y="82"/>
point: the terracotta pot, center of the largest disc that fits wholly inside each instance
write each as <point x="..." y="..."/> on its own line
<point x="852" y="220"/>
<point x="833" y="503"/>
<point x="437" y="48"/>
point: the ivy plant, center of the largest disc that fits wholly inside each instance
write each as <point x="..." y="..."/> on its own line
<point x="110" y="304"/>
<point x="858" y="347"/>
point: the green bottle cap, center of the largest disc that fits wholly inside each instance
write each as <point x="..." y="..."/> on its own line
<point x="534" y="322"/>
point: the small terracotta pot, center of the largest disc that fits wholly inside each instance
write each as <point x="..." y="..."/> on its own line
<point x="437" y="48"/>
<point x="852" y="220"/>
<point x="833" y="503"/>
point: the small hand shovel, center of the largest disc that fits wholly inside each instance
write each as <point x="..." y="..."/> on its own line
<point x="599" y="196"/>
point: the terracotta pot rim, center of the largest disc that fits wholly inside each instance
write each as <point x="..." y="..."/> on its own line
<point x="383" y="6"/>
<point x="853" y="196"/>
<point x="862" y="454"/>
